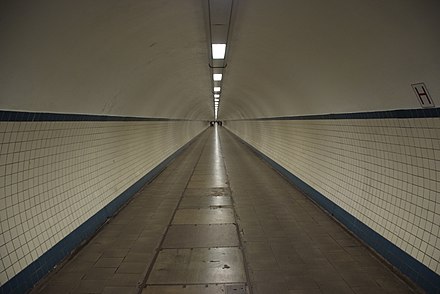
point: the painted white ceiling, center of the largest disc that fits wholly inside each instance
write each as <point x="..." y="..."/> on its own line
<point x="130" y="57"/>
<point x="302" y="57"/>
<point x="150" y="57"/>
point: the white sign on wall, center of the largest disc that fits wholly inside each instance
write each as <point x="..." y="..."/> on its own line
<point x="422" y="95"/>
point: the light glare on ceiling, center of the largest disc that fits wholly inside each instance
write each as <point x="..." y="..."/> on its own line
<point x="218" y="51"/>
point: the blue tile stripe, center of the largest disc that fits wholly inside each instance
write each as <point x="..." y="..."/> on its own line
<point x="28" y="277"/>
<point x="7" y="115"/>
<point x="405" y="263"/>
<point x="20" y="116"/>
<point x="386" y="114"/>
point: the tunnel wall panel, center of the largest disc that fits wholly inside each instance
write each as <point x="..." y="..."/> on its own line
<point x="382" y="172"/>
<point x="56" y="175"/>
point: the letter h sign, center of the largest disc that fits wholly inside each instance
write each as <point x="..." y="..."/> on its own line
<point x="423" y="95"/>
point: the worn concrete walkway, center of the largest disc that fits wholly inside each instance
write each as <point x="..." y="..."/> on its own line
<point x="220" y="220"/>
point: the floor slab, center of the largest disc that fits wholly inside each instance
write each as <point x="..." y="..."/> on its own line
<point x="192" y="236"/>
<point x="222" y="191"/>
<point x="196" y="289"/>
<point x="207" y="184"/>
<point x="205" y="201"/>
<point x="204" y="216"/>
<point x="198" y="266"/>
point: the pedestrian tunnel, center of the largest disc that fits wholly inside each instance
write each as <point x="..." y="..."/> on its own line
<point x="219" y="146"/>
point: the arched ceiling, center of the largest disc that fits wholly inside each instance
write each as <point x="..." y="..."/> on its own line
<point x="150" y="57"/>
<point x="130" y="57"/>
<point x="313" y="56"/>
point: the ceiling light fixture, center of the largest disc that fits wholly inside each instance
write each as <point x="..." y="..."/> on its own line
<point x="216" y="89"/>
<point x="217" y="77"/>
<point x="218" y="51"/>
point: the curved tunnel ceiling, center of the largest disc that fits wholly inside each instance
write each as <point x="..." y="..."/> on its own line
<point x="150" y="58"/>
<point x="308" y="57"/>
<point x="136" y="58"/>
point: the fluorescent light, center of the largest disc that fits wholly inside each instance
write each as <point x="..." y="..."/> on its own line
<point x="217" y="77"/>
<point x="216" y="95"/>
<point x="218" y="51"/>
<point x="216" y="99"/>
<point x="216" y="89"/>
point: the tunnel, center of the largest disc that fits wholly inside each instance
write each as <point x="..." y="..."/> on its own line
<point x="220" y="146"/>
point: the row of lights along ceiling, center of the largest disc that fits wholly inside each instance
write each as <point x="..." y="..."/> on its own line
<point x="220" y="12"/>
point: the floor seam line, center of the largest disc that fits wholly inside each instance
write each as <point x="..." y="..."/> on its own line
<point x="240" y="240"/>
<point x="142" y="284"/>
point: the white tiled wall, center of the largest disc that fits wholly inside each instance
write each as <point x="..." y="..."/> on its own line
<point x="385" y="172"/>
<point x="56" y="175"/>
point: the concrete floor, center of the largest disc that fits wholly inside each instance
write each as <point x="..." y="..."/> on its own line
<point x="220" y="220"/>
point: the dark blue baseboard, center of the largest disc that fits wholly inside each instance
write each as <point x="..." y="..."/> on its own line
<point x="28" y="277"/>
<point x="406" y="264"/>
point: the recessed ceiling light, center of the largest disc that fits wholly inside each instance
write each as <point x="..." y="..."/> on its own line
<point x="218" y="51"/>
<point x="216" y="99"/>
<point x="217" y="77"/>
<point x="216" y="89"/>
<point x="216" y="95"/>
